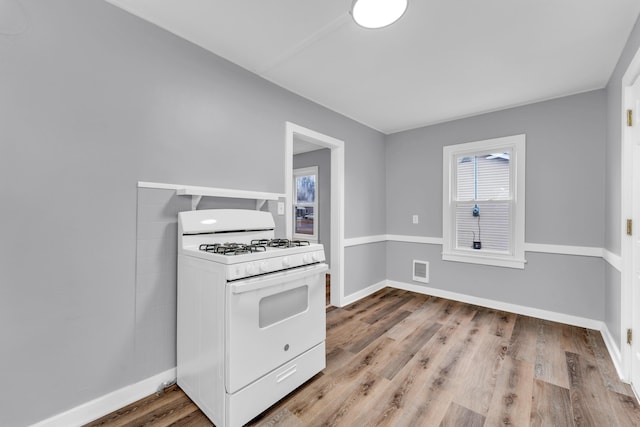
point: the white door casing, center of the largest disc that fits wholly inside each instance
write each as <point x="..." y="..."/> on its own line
<point x="630" y="209"/>
<point x="632" y="133"/>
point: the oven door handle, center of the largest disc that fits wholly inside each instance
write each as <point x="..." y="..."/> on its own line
<point x="262" y="282"/>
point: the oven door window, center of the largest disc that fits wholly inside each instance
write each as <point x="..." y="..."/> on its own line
<point x="278" y="307"/>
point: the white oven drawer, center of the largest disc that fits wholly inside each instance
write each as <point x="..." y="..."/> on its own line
<point x="255" y="398"/>
<point x="271" y="320"/>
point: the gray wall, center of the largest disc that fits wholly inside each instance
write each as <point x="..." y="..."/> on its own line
<point x="565" y="169"/>
<point x="613" y="182"/>
<point x="321" y="159"/>
<point x="559" y="283"/>
<point x="93" y="101"/>
<point x="564" y="203"/>
<point x="356" y="279"/>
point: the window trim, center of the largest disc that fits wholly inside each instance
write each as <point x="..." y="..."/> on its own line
<point x="515" y="259"/>
<point x="307" y="171"/>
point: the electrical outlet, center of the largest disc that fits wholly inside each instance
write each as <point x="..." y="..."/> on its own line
<point x="280" y="208"/>
<point x="415" y="219"/>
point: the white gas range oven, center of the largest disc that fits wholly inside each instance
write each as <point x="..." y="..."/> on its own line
<point x="251" y="313"/>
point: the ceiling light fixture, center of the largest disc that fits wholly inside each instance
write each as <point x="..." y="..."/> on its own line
<point x="377" y="13"/>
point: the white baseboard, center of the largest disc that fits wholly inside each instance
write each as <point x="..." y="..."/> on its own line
<point x="503" y="306"/>
<point x="348" y="299"/>
<point x="108" y="403"/>
<point x="614" y="351"/>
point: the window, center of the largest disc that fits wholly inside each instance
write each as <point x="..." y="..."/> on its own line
<point x="305" y="203"/>
<point x="483" y="202"/>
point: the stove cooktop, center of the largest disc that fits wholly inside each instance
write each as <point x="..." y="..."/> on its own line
<point x="261" y="245"/>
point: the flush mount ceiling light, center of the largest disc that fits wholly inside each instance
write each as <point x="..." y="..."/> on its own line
<point x="377" y="13"/>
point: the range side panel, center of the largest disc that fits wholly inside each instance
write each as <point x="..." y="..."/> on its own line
<point x="200" y="337"/>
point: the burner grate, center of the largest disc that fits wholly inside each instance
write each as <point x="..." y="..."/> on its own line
<point x="260" y="245"/>
<point x="278" y="243"/>
<point x="232" y="248"/>
<point x="281" y="243"/>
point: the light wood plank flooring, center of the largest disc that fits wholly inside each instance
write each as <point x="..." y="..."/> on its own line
<point x="398" y="358"/>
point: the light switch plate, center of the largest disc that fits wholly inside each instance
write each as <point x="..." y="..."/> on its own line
<point x="415" y="219"/>
<point x="280" y="208"/>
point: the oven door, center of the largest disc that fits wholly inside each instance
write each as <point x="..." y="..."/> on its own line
<point x="270" y="320"/>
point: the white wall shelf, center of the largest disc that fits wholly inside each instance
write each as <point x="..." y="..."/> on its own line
<point x="197" y="193"/>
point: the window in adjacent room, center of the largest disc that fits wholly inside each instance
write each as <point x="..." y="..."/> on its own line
<point x="305" y="203"/>
<point x="483" y="202"/>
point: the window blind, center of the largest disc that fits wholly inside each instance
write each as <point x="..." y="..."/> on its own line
<point x="483" y="181"/>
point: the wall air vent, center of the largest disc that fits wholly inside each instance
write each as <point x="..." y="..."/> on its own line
<point x="421" y="271"/>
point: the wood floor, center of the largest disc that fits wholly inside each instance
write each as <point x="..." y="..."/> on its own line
<point x="402" y="359"/>
<point x="328" y="289"/>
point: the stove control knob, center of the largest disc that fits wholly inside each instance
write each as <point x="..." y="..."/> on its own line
<point x="251" y="269"/>
<point x="317" y="257"/>
<point x="306" y="259"/>
<point x="238" y="271"/>
<point x="286" y="262"/>
<point x="264" y="266"/>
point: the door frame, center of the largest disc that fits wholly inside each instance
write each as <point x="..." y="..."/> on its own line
<point x="337" y="199"/>
<point x="629" y="180"/>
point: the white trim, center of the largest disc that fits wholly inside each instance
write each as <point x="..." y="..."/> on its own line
<point x="108" y="403"/>
<point x="635" y="392"/>
<point x="337" y="199"/>
<point x="158" y="185"/>
<point x="564" y="249"/>
<point x="588" y="251"/>
<point x="192" y="190"/>
<point x="363" y="240"/>
<point x="485" y="259"/>
<point x="614" y="350"/>
<point x="355" y="241"/>
<point x="568" y="319"/>
<point x="614" y="260"/>
<point x="362" y="293"/>
<point x="415" y="239"/>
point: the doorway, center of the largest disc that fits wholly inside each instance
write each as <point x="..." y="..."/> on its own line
<point x="301" y="136"/>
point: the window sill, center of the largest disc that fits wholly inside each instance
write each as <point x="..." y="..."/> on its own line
<point x="485" y="259"/>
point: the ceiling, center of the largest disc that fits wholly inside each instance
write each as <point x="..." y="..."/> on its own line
<point x="303" y="146"/>
<point x="445" y="59"/>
